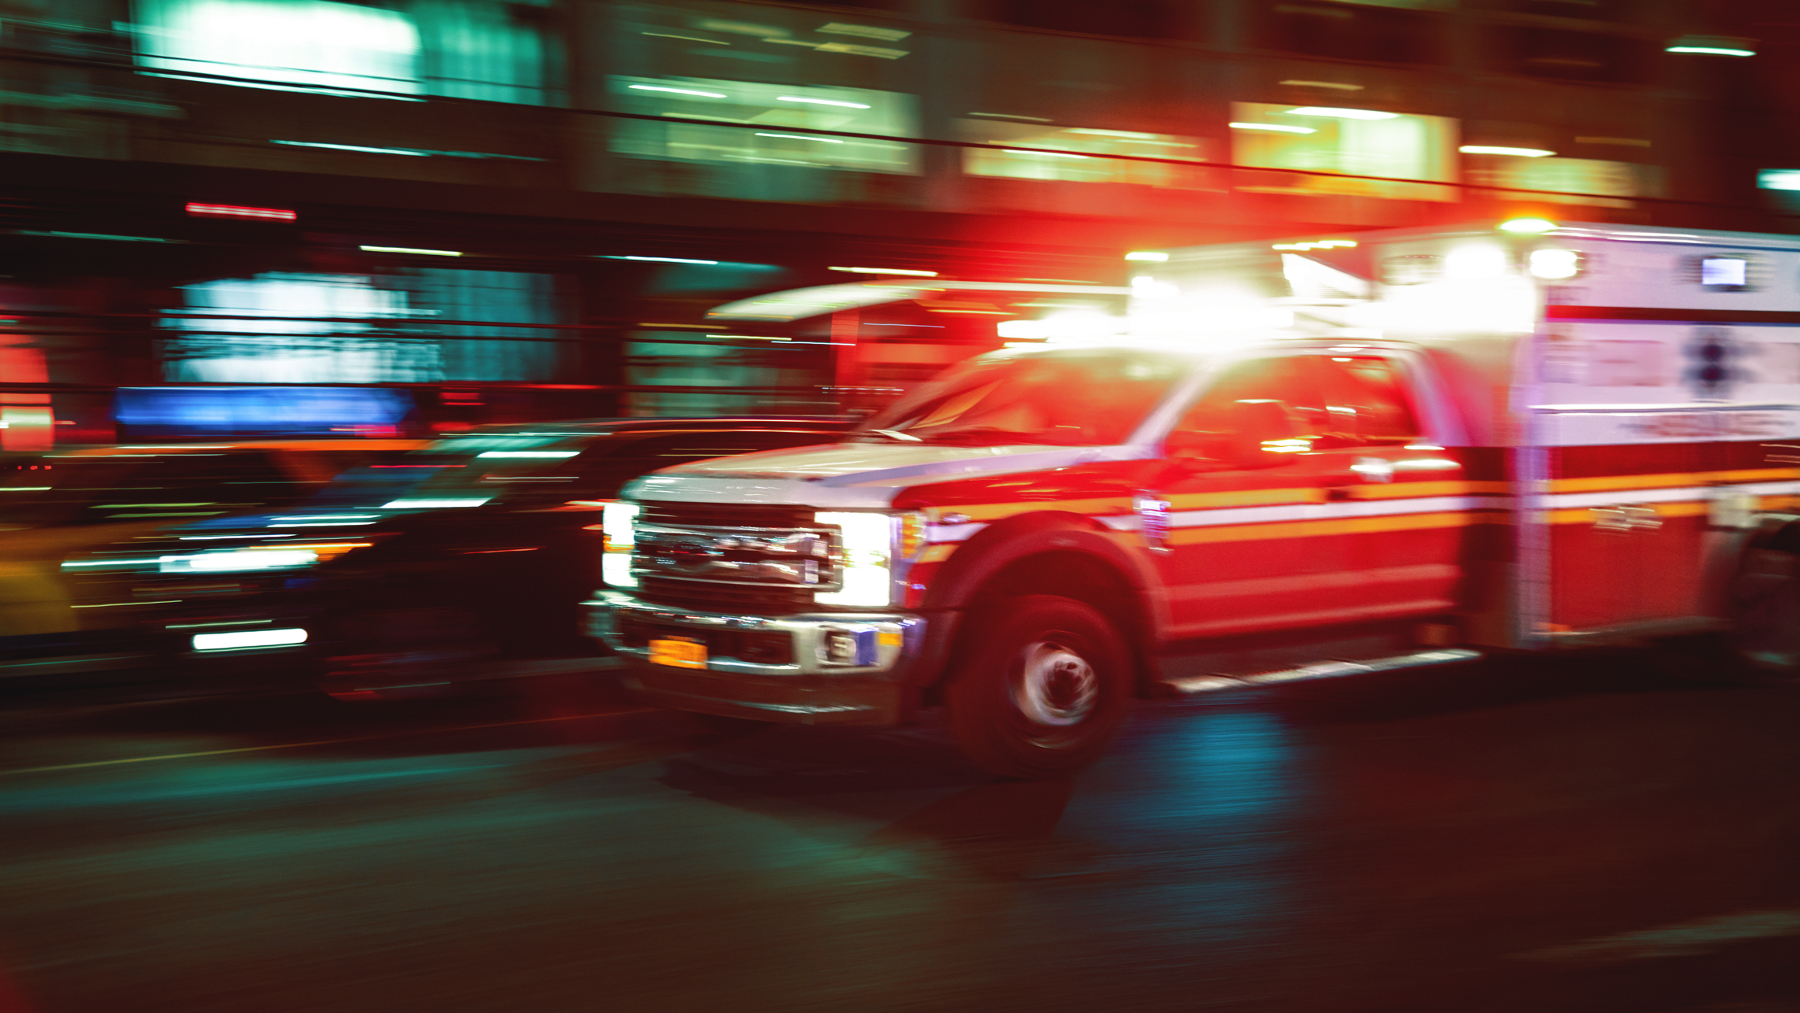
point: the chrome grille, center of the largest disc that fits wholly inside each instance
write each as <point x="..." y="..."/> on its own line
<point x="761" y="556"/>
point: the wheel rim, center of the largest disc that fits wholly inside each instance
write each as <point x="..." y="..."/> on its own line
<point x="1057" y="686"/>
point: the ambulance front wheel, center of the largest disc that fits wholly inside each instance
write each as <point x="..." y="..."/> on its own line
<point x="1042" y="688"/>
<point x="1764" y="603"/>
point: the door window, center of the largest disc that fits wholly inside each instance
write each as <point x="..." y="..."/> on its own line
<point x="1365" y="400"/>
<point x="1275" y="379"/>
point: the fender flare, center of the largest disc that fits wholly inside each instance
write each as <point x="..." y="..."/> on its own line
<point x="985" y="556"/>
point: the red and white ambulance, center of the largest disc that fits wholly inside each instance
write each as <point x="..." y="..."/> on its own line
<point x="1289" y="460"/>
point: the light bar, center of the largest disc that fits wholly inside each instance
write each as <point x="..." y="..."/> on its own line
<point x="885" y="270"/>
<point x="1272" y="127"/>
<point x="248" y="638"/>
<point x="680" y="91"/>
<point x="1046" y="154"/>
<point x="1529" y="226"/>
<point x="1342" y="114"/>
<point x="1497" y="149"/>
<point x="802" y="137"/>
<point x="233" y="211"/>
<point x="410" y="249"/>
<point x="819" y="101"/>
<point x="1146" y="255"/>
<point x="1320" y="244"/>
<point x="664" y="260"/>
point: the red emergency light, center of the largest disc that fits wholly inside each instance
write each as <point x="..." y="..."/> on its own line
<point x="231" y="211"/>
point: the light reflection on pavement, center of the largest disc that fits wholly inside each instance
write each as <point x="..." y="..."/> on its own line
<point x="1547" y="839"/>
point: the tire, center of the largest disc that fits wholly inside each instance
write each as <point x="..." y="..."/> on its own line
<point x="1043" y="686"/>
<point x="1763" y="599"/>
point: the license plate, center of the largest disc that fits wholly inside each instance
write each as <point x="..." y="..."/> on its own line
<point x="678" y="653"/>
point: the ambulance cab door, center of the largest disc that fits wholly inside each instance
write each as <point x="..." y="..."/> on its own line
<point x="1397" y="500"/>
<point x="1231" y="493"/>
<point x="1334" y="510"/>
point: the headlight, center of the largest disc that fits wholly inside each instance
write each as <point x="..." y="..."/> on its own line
<point x="615" y="525"/>
<point x="867" y="563"/>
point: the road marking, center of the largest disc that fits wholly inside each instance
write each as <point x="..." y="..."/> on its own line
<point x="320" y="742"/>
<point x="1685" y="940"/>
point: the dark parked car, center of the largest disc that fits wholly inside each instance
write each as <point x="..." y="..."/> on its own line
<point x="71" y="501"/>
<point x="471" y="573"/>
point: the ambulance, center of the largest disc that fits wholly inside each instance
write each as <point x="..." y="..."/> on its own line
<point x="1318" y="457"/>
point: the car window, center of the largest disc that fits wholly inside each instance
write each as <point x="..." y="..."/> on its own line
<point x="1272" y="379"/>
<point x="1365" y="399"/>
<point x="1074" y="397"/>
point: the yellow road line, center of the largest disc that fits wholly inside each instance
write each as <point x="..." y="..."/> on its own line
<point x="319" y="742"/>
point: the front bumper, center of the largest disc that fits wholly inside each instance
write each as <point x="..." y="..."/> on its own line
<point x="801" y="685"/>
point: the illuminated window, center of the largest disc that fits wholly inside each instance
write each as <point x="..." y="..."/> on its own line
<point x="311" y="44"/>
<point x="480" y="49"/>
<point x="1568" y="176"/>
<point x="728" y="368"/>
<point x="1352" y="141"/>
<point x="781" y="114"/>
<point x="320" y="328"/>
<point x="1074" y="144"/>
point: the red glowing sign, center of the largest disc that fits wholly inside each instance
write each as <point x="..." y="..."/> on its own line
<point x="230" y="211"/>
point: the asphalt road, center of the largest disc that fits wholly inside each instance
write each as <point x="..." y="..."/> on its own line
<point x="1493" y="839"/>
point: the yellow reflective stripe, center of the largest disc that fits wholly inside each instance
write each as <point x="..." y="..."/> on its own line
<point x="1608" y="483"/>
<point x="1585" y="515"/>
<point x="1244" y="497"/>
<point x="1343" y="526"/>
<point x="938" y="553"/>
<point x="1001" y="511"/>
<point x="1405" y="490"/>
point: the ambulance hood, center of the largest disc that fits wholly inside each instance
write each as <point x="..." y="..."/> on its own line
<point x="852" y="474"/>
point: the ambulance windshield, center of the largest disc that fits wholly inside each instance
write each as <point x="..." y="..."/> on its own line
<point x="1086" y="397"/>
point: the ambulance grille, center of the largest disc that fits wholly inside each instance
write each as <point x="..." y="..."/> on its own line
<point x="725" y="515"/>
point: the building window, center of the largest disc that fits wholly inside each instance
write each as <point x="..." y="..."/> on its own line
<point x="1574" y="56"/>
<point x="742" y="378"/>
<point x="481" y="49"/>
<point x="333" y="328"/>
<point x="1075" y="145"/>
<point x="1137" y="19"/>
<point x="778" y="116"/>
<point x="1587" y="10"/>
<point x="1360" y="142"/>
<point x="1570" y="176"/>
<point x="1350" y="30"/>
